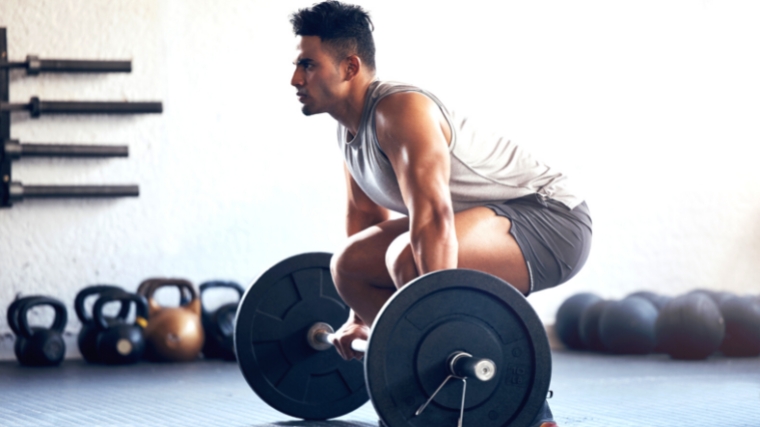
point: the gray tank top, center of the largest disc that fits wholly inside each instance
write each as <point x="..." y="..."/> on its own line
<point x="484" y="168"/>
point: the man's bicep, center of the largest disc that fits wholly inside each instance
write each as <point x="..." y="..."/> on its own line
<point x="410" y="134"/>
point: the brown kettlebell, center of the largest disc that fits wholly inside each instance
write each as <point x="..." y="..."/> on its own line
<point x="174" y="333"/>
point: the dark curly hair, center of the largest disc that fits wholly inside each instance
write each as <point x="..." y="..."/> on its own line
<point x="346" y="29"/>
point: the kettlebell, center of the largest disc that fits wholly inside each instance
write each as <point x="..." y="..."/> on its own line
<point x="88" y="335"/>
<point x="219" y="325"/>
<point x="38" y="346"/>
<point x="119" y="342"/>
<point x="174" y="333"/>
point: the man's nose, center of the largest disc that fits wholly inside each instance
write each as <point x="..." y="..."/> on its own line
<point x="297" y="79"/>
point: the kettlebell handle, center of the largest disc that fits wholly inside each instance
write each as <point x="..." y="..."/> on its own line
<point x="141" y="307"/>
<point x="149" y="287"/>
<point x="218" y="284"/>
<point x="61" y="315"/>
<point x="82" y="314"/>
<point x="12" y="314"/>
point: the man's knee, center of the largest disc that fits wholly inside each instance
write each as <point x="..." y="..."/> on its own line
<point x="399" y="260"/>
<point x="344" y="264"/>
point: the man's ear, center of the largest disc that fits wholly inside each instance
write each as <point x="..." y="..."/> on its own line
<point x="353" y="65"/>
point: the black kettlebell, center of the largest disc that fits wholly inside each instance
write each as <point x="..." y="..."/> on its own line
<point x="88" y="335"/>
<point x="117" y="341"/>
<point x="219" y="325"/>
<point x="38" y="346"/>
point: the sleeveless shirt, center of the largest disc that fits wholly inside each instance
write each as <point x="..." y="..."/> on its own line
<point x="485" y="169"/>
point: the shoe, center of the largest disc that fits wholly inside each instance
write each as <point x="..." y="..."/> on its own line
<point x="544" y="418"/>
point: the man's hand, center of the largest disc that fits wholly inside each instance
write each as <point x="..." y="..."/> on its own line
<point x="342" y="338"/>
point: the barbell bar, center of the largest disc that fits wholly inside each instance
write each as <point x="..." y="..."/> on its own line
<point x="34" y="65"/>
<point x="461" y="364"/>
<point x="424" y="336"/>
<point x="36" y="107"/>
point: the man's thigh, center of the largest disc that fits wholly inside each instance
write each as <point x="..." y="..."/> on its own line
<point x="485" y="244"/>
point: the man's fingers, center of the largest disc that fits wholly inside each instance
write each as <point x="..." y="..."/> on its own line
<point x="347" y="350"/>
<point x="338" y="348"/>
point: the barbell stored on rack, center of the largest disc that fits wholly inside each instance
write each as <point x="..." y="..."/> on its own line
<point x="36" y="107"/>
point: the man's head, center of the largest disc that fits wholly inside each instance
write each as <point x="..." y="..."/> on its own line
<point x="335" y="45"/>
<point x="344" y="29"/>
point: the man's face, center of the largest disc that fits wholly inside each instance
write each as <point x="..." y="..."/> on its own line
<point x="317" y="77"/>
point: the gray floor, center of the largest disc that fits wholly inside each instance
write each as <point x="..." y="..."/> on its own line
<point x="589" y="390"/>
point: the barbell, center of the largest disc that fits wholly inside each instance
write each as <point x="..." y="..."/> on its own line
<point x="441" y="330"/>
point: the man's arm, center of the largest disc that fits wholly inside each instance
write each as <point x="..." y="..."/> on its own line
<point x="414" y="135"/>
<point x="362" y="212"/>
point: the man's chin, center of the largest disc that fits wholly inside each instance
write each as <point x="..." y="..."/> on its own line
<point x="309" y="111"/>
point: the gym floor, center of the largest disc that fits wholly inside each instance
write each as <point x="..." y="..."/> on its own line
<point x="590" y="390"/>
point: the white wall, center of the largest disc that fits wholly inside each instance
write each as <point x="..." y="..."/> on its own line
<point x="651" y="105"/>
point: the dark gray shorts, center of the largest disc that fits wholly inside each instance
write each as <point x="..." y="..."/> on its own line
<point x="554" y="240"/>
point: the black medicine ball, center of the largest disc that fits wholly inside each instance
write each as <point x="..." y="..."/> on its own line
<point x="588" y="326"/>
<point x="742" y="316"/>
<point x="717" y="296"/>
<point x="690" y="327"/>
<point x="659" y="301"/>
<point x="569" y="315"/>
<point x="627" y="326"/>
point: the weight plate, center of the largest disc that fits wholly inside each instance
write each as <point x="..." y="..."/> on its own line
<point x="273" y="318"/>
<point x="446" y="312"/>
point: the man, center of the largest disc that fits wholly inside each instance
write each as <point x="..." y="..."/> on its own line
<point x="468" y="201"/>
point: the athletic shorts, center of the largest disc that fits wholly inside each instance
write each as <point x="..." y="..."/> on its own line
<point x="554" y="239"/>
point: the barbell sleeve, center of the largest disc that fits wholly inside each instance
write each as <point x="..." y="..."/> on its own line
<point x="16" y="150"/>
<point x="18" y="191"/>
<point x="464" y="365"/>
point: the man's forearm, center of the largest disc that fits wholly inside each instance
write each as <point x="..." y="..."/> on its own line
<point x="434" y="245"/>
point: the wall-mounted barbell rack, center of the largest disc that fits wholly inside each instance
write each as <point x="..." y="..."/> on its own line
<point x="10" y="150"/>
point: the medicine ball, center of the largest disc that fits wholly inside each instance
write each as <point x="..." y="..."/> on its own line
<point x="659" y="301"/>
<point x="717" y="296"/>
<point x="742" y="317"/>
<point x="588" y="326"/>
<point x="627" y="326"/>
<point x="690" y="327"/>
<point x="568" y="317"/>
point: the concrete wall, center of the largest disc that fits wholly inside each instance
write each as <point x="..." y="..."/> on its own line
<point x="650" y="105"/>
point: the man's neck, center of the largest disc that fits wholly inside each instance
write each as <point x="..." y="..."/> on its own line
<point x="350" y="112"/>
